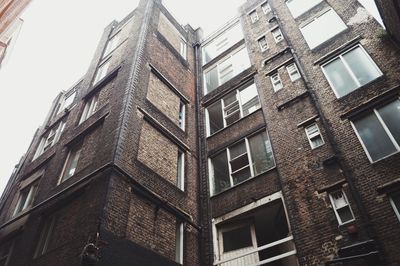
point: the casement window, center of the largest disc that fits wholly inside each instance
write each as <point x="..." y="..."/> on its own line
<point x="226" y="69"/>
<point x="299" y="7"/>
<point x="45" y="237"/>
<point x="182" y="48"/>
<point x="322" y="28"/>
<point x="395" y="202"/>
<point x="65" y="101"/>
<point x="180" y="178"/>
<point x="341" y="207"/>
<point x="5" y="252"/>
<point x="276" y="81"/>
<point x="379" y="131"/>
<point x="71" y="162"/>
<point x="253" y="16"/>
<point x="293" y="72"/>
<point x="262" y="42"/>
<point x="112" y="44"/>
<point x="90" y="108"/>
<point x="314" y="136"/>
<point x="266" y="8"/>
<point x="277" y="34"/>
<point x="179" y="236"/>
<point x="350" y="70"/>
<point x="241" y="161"/>
<point x="182" y="115"/>
<point x="231" y="108"/>
<point x="102" y="71"/>
<point x="221" y="43"/>
<point x="50" y="139"/>
<point x="25" y="199"/>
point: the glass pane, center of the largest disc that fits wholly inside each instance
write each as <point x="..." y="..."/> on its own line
<point x="221" y="172"/>
<point x="345" y="214"/>
<point x="238" y="149"/>
<point x="391" y="116"/>
<point x="211" y="79"/>
<point x="249" y="99"/>
<point x="316" y="142"/>
<point x="240" y="61"/>
<point x="237" y="238"/>
<point x="69" y="100"/>
<point x="298" y="7"/>
<point x="339" y="77"/>
<point x="225" y="70"/>
<point x="180" y="173"/>
<point x="241" y="175"/>
<point x="239" y="162"/>
<point x="261" y="153"/>
<point x="374" y="137"/>
<point x="215" y="117"/>
<point x="361" y="66"/>
<point x="233" y="117"/>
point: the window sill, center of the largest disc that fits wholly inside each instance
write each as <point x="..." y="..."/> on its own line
<point x="245" y="181"/>
<point x="346" y="223"/>
<point x="384" y="158"/>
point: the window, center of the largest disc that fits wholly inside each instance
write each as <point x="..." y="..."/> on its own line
<point x="322" y="28"/>
<point x="243" y="160"/>
<point x="379" y="131"/>
<point x="182" y="115"/>
<point x="341" y="207"/>
<point x="293" y="72"/>
<point x="350" y="70"/>
<point x="395" y="202"/>
<point x="102" y="71"/>
<point x="65" y="101"/>
<point x="221" y="43"/>
<point x="299" y="7"/>
<point x="231" y="108"/>
<point x="277" y="34"/>
<point x="90" y="108"/>
<point x="226" y="69"/>
<point x="71" y="162"/>
<point x="276" y="82"/>
<point x="180" y="179"/>
<point x="112" y="44"/>
<point x="253" y="16"/>
<point x="50" y="139"/>
<point x="262" y="42"/>
<point x="314" y="136"/>
<point x="266" y="8"/>
<point x="45" y="236"/>
<point x="182" y="48"/>
<point x="179" y="243"/>
<point x="5" y="252"/>
<point x="25" y="199"/>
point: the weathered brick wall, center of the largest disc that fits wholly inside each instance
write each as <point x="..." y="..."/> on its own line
<point x="168" y="30"/>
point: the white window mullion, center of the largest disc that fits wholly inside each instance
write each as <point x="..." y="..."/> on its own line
<point x="249" y="157"/>
<point x="211" y="175"/>
<point x="228" y="154"/>
<point x="223" y="112"/>
<point x="350" y="71"/>
<point x="387" y="130"/>
<point x="395" y="208"/>
<point x="240" y="103"/>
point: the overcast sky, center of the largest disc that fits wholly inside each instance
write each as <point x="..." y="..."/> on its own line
<point x="54" y="49"/>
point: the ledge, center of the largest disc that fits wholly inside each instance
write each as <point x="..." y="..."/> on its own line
<point x="332" y="186"/>
<point x="275" y="56"/>
<point x="389" y="186"/>
<point x="293" y="100"/>
<point x="323" y="59"/>
<point x="104" y="81"/>
<point x="307" y="121"/>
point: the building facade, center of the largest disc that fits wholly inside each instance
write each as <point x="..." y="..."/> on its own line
<point x="273" y="141"/>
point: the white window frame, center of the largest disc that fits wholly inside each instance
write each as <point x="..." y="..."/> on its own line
<point x="275" y="80"/>
<point x="73" y="148"/>
<point x="102" y="70"/>
<point x="183" y="48"/>
<point x="295" y="74"/>
<point x="335" y="210"/>
<point x="298" y="14"/>
<point x="182" y="115"/>
<point x="276" y="33"/>
<point x="89" y="109"/>
<point x="310" y="137"/>
<point x="112" y="44"/>
<point x="253" y="16"/>
<point x="180" y="238"/>
<point x="27" y="204"/>
<point x="46" y="234"/>
<point x="396" y="209"/>
<point x="180" y="175"/>
<point x="263" y="49"/>
<point x="387" y="131"/>
<point x="266" y="7"/>
<point x="349" y="69"/>
<point x="61" y="105"/>
<point x="44" y="142"/>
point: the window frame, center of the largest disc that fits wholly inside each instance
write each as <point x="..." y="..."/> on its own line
<point x="45" y="236"/>
<point x="348" y="69"/>
<point x="304" y="11"/>
<point x="336" y="210"/>
<point x="260" y="43"/>
<point x="112" y="44"/>
<point x="179" y="243"/>
<point x="298" y="76"/>
<point x="310" y="137"/>
<point x="275" y="35"/>
<point x="76" y="148"/>
<point x="182" y="115"/>
<point x="99" y="75"/>
<point x="91" y="107"/>
<point x="180" y="174"/>
<point x="254" y="18"/>
<point x="45" y="139"/>
<point x="396" y="209"/>
<point x="30" y="197"/>
<point x="266" y="7"/>
<point x="375" y="112"/>
<point x="274" y="86"/>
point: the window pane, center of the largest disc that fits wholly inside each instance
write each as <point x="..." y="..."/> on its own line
<point x="374" y="137"/>
<point x="225" y="70"/>
<point x="237" y="150"/>
<point x="249" y="99"/>
<point x="69" y="100"/>
<point x="391" y="116"/>
<point x="345" y="214"/>
<point x="237" y="238"/>
<point x="221" y="172"/>
<point x="298" y="7"/>
<point x="215" y="117"/>
<point x="339" y="78"/>
<point x="242" y="175"/>
<point x="212" y="79"/>
<point x="261" y="153"/>
<point x="240" y="61"/>
<point x="361" y="66"/>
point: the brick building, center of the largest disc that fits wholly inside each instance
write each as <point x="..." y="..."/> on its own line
<point x="390" y="12"/>
<point x="273" y="141"/>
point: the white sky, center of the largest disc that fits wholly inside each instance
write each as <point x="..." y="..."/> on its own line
<point x="54" y="49"/>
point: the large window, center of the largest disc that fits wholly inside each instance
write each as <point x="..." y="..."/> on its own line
<point x="50" y="138"/>
<point x="226" y="69"/>
<point x="379" y="131"/>
<point x="322" y="28"/>
<point x="241" y="161"/>
<point x="25" y="199"/>
<point x="341" y="207"/>
<point x="231" y="108"/>
<point x="299" y="7"/>
<point x="71" y="162"/>
<point x="112" y="44"/>
<point x="102" y="71"/>
<point x="350" y="70"/>
<point x="221" y="43"/>
<point x="90" y="108"/>
<point x="395" y="201"/>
